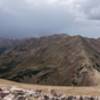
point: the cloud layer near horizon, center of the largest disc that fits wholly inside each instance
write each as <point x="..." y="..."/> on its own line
<point x="22" y="18"/>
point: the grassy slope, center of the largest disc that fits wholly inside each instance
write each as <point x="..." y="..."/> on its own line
<point x="84" y="91"/>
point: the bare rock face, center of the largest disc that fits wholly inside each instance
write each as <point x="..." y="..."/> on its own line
<point x="14" y="93"/>
<point x="53" y="60"/>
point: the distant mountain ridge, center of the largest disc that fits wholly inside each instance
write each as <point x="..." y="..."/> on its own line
<point x="53" y="60"/>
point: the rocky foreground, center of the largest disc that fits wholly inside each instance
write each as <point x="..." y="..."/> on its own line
<point x="14" y="93"/>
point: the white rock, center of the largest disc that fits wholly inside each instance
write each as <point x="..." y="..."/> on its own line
<point x="9" y="97"/>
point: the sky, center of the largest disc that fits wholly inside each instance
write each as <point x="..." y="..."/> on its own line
<point x="28" y="18"/>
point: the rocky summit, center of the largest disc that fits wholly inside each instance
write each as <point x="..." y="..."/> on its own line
<point x="15" y="93"/>
<point x="52" y="60"/>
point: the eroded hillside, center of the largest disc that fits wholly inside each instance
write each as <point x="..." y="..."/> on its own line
<point x="53" y="60"/>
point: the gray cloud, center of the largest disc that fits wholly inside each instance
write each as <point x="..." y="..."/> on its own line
<point x="90" y="9"/>
<point x="22" y="18"/>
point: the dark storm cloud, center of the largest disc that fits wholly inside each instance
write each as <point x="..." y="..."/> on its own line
<point x="22" y="18"/>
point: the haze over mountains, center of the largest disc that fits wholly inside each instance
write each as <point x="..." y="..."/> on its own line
<point x="51" y="60"/>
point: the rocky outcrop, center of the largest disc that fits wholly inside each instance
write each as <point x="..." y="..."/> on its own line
<point x="15" y="93"/>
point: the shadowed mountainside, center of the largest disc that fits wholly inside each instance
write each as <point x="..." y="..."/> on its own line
<point x="53" y="60"/>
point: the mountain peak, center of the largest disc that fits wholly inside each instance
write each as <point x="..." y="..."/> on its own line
<point x="50" y="59"/>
